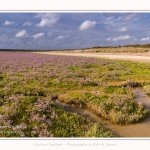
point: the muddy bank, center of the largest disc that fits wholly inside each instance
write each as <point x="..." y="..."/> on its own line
<point x="135" y="130"/>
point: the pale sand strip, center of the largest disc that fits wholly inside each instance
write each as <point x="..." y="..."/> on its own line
<point x="133" y="57"/>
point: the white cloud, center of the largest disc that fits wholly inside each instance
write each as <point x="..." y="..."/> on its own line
<point x="121" y="38"/>
<point x="129" y="17"/>
<point x="125" y="37"/>
<point x="109" y="18"/>
<point x="9" y="23"/>
<point x="44" y="22"/>
<point x="47" y="19"/>
<point x="145" y="39"/>
<point x="123" y="29"/>
<point x="87" y="25"/>
<point x="115" y="39"/>
<point x="49" y="34"/>
<point x="108" y="39"/>
<point x="21" y="33"/>
<point x="61" y="37"/>
<point x="27" y="24"/>
<point x="38" y="35"/>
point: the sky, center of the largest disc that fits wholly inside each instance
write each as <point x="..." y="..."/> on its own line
<point x="72" y="30"/>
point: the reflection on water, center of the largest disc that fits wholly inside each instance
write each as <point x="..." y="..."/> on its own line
<point x="134" y="130"/>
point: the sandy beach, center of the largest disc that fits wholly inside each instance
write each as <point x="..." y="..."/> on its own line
<point x="139" y="57"/>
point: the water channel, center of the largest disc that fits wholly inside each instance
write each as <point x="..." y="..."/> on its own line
<point x="137" y="130"/>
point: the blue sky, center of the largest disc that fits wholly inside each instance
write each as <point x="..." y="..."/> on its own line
<point x="72" y="30"/>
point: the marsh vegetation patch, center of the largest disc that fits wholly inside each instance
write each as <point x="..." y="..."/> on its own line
<point x="29" y="83"/>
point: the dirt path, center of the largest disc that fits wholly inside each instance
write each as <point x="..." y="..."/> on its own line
<point x="134" y="57"/>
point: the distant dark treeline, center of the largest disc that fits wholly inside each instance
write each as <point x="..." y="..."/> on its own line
<point x="24" y="50"/>
<point x="41" y="50"/>
<point x="33" y="50"/>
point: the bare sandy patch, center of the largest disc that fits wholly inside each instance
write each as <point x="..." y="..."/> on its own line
<point x="145" y="57"/>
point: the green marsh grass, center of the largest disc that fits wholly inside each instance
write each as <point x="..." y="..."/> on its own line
<point x="28" y="88"/>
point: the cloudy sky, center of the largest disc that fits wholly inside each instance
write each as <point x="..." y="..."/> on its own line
<point x="72" y="30"/>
